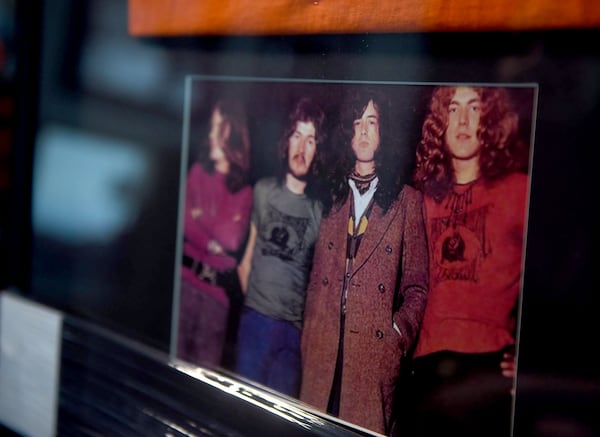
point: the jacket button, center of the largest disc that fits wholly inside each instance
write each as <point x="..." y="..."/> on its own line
<point x="388" y="249"/>
<point x="381" y="288"/>
<point x="330" y="245"/>
<point x="325" y="281"/>
<point x="379" y="334"/>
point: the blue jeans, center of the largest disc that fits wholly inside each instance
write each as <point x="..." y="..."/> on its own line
<point x="269" y="352"/>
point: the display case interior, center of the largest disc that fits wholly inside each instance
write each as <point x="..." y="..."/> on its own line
<point x="95" y="207"/>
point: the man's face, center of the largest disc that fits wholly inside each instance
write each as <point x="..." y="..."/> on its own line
<point x="464" y="113"/>
<point x="302" y="149"/>
<point x="219" y="132"/>
<point x="366" y="134"/>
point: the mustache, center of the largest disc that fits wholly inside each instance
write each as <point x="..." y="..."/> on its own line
<point x="299" y="156"/>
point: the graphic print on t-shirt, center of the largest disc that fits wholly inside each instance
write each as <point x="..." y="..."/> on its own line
<point x="459" y="245"/>
<point x="282" y="234"/>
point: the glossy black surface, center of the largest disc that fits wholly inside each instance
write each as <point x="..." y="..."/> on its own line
<point x="110" y="385"/>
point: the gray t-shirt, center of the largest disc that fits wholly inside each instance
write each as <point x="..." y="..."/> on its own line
<point x="287" y="227"/>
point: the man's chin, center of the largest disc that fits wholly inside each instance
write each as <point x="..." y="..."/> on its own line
<point x="300" y="175"/>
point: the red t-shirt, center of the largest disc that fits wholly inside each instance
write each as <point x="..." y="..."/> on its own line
<point x="476" y="242"/>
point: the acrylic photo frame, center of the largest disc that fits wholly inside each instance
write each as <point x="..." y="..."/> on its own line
<point x="268" y="102"/>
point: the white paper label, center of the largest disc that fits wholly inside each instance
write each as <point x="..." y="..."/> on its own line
<point x="30" y="338"/>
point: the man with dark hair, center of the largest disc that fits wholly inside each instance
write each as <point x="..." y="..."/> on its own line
<point x="284" y="227"/>
<point x="468" y="168"/>
<point x="368" y="286"/>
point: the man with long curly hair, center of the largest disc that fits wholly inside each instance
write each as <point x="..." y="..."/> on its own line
<point x="470" y="165"/>
<point x="368" y="286"/>
<point x="275" y="268"/>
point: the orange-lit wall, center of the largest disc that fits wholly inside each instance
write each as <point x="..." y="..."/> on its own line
<point x="264" y="17"/>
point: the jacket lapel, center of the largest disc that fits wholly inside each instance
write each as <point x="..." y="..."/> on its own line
<point x="376" y="230"/>
<point x="337" y="230"/>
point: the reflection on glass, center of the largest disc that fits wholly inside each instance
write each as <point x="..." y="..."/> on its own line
<point x="86" y="187"/>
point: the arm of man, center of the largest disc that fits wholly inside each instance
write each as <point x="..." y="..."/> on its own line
<point x="246" y="263"/>
<point x="230" y="231"/>
<point x="195" y="230"/>
<point x="414" y="283"/>
<point x="225" y="235"/>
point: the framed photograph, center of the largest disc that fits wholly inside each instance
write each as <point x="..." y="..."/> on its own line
<point x="286" y="270"/>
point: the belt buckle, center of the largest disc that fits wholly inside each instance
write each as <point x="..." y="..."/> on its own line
<point x="206" y="273"/>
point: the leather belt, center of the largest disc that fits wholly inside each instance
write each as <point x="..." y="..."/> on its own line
<point x="203" y="271"/>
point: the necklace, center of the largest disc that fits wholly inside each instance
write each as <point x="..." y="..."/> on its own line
<point x="457" y="203"/>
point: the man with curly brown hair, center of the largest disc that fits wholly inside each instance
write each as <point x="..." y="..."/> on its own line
<point x="469" y="168"/>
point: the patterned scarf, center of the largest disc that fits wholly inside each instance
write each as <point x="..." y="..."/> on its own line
<point x="362" y="182"/>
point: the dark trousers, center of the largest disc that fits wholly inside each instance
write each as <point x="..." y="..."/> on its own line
<point x="269" y="352"/>
<point x="202" y="327"/>
<point x="457" y="394"/>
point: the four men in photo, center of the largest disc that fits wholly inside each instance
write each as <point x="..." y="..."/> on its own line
<point x="353" y="277"/>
